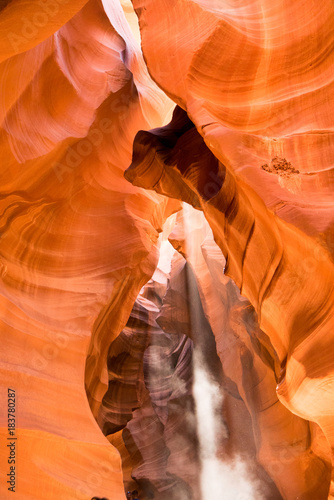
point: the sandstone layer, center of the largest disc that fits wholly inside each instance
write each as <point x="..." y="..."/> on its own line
<point x="77" y="240"/>
<point x="201" y="358"/>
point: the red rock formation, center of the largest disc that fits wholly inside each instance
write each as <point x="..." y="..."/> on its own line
<point x="251" y="146"/>
<point x="263" y="256"/>
<point x="248" y="362"/>
<point x="149" y="393"/>
<point x="77" y="240"/>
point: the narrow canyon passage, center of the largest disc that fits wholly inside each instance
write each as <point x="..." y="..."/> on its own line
<point x="184" y="427"/>
<point x="167" y="249"/>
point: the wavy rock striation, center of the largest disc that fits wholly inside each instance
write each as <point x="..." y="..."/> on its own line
<point x="150" y="380"/>
<point x="249" y="149"/>
<point x="264" y="257"/>
<point x="77" y="240"/>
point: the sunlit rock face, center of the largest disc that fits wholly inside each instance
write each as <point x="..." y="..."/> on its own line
<point x="263" y="256"/>
<point x="150" y="397"/>
<point x="153" y="381"/>
<point x="77" y="240"/>
<point x="199" y="362"/>
<point x="249" y="385"/>
<point x="255" y="77"/>
<point x="252" y="150"/>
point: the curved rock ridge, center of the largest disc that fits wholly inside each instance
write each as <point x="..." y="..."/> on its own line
<point x="133" y="365"/>
<point x="77" y="241"/>
<point x="150" y="395"/>
<point x="248" y="362"/>
<point x="278" y="447"/>
<point x="83" y="77"/>
<point x="266" y="257"/>
<point x="150" y="379"/>
<point x="255" y="78"/>
<point x="143" y="411"/>
<point x="26" y="24"/>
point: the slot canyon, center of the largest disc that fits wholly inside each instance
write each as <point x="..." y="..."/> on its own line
<point x="166" y="249"/>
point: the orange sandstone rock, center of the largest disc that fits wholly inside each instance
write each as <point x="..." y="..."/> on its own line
<point x="77" y="240"/>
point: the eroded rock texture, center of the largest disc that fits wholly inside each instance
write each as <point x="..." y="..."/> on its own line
<point x="188" y="371"/>
<point x="264" y="256"/>
<point x="77" y="240"/>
